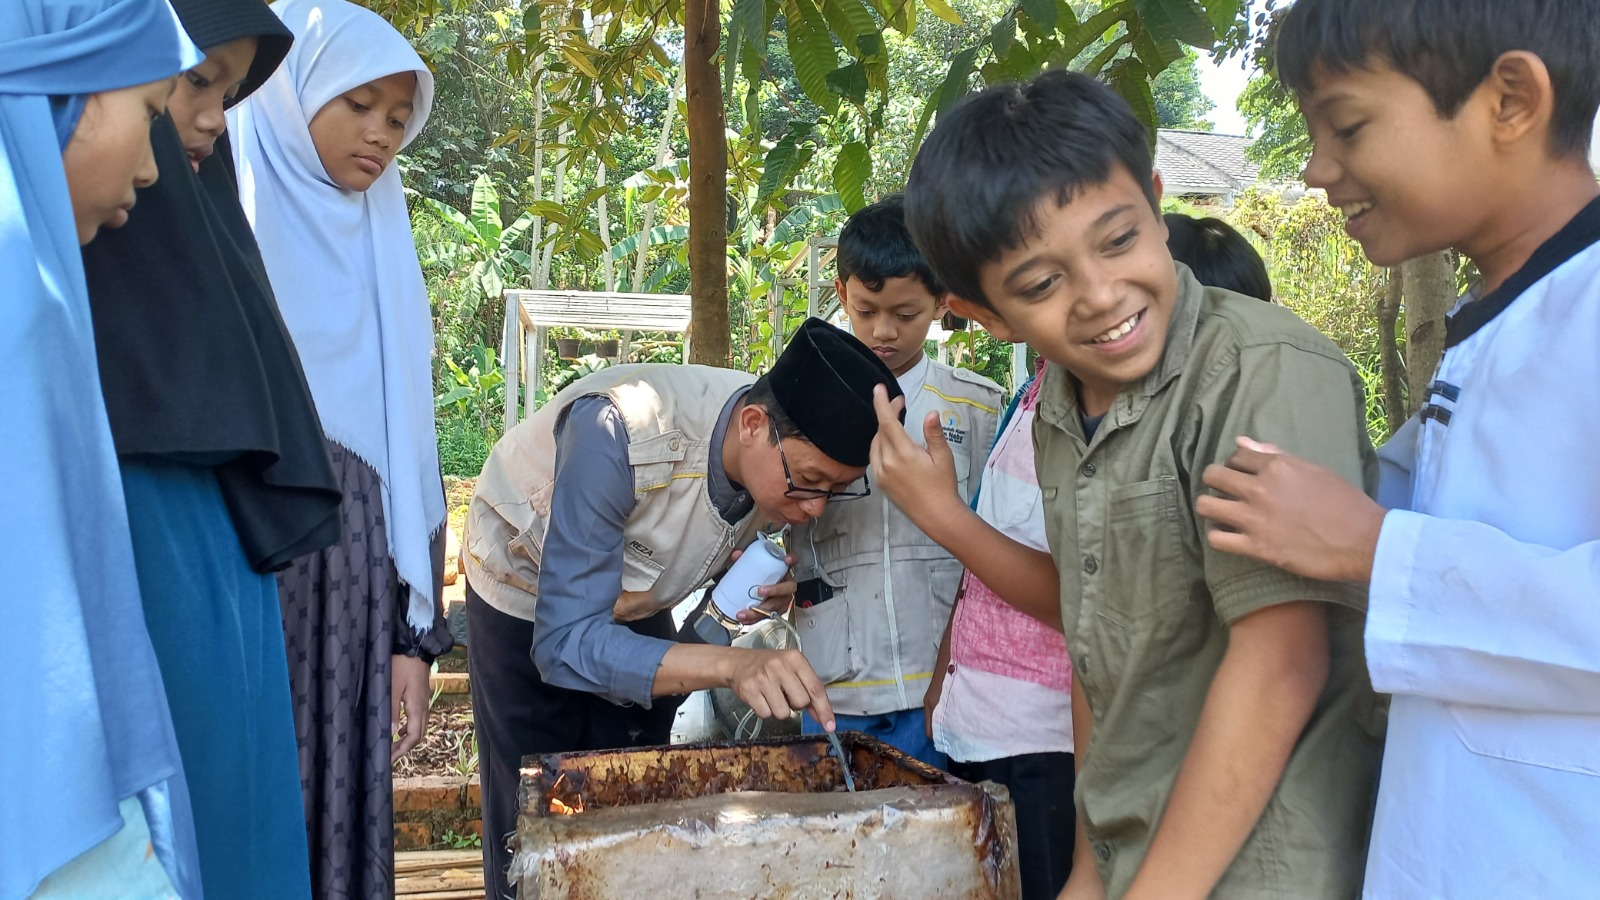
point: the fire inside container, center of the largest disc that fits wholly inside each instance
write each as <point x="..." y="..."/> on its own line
<point x="766" y="818"/>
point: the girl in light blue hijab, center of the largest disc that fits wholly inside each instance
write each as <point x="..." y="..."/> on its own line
<point x="92" y="799"/>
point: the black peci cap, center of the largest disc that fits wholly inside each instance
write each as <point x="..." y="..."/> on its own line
<point x="823" y="381"/>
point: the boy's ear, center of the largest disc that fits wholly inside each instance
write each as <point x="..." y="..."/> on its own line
<point x="839" y="288"/>
<point x="1158" y="188"/>
<point x="1522" y="97"/>
<point x="984" y="316"/>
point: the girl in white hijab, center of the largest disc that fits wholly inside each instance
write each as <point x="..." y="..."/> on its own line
<point x="315" y="148"/>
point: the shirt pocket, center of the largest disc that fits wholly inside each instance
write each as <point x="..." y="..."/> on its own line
<point x="523" y="554"/>
<point x="1563" y="743"/>
<point x="639" y="572"/>
<point x="1143" y="552"/>
<point x="825" y="639"/>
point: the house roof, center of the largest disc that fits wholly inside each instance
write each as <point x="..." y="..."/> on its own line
<point x="1200" y="163"/>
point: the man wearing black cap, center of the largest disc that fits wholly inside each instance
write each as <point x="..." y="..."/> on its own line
<point x="611" y="504"/>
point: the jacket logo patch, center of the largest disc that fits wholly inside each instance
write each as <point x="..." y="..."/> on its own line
<point x="641" y="549"/>
<point x="953" y="432"/>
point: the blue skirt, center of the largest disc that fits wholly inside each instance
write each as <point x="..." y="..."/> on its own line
<point x="218" y="637"/>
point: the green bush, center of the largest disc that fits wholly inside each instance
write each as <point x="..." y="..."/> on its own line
<point x="464" y="444"/>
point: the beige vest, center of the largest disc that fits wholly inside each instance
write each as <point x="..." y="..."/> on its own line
<point x="875" y="642"/>
<point x="674" y="540"/>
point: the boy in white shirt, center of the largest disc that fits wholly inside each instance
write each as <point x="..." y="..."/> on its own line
<point x="1464" y="124"/>
<point x="875" y="591"/>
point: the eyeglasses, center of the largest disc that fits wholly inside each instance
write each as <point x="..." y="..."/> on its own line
<point x="800" y="493"/>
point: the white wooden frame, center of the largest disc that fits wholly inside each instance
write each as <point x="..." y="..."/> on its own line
<point x="531" y="314"/>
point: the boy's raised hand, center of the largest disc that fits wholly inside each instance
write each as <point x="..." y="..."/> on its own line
<point x="1291" y="513"/>
<point x="917" y="479"/>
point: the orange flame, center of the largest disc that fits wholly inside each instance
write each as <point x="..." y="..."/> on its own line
<point x="562" y="809"/>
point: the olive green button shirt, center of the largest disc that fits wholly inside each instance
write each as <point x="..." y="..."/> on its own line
<point x="1147" y="603"/>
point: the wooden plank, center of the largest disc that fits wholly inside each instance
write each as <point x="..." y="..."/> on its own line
<point x="467" y="894"/>
<point x="603" y="310"/>
<point x="449" y="880"/>
<point x="423" y="860"/>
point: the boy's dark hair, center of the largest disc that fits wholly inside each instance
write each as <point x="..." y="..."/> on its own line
<point x="1218" y="255"/>
<point x="875" y="246"/>
<point x="1449" y="47"/>
<point x="981" y="174"/>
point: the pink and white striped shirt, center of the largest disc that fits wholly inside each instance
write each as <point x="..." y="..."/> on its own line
<point x="1008" y="687"/>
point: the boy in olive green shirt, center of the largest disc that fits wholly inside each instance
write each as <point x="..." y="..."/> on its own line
<point x="1227" y="736"/>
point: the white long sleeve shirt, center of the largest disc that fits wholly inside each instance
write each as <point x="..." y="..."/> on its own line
<point x="1484" y="615"/>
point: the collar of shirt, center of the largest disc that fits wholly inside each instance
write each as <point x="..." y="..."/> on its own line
<point x="911" y="381"/>
<point x="1058" y="394"/>
<point x="733" y="503"/>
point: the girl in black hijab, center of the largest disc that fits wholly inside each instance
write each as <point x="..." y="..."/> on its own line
<point x="223" y="463"/>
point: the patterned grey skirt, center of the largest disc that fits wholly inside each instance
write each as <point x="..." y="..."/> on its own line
<point x="344" y="616"/>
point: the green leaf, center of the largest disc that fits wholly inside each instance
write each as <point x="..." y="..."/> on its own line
<point x="661" y="234"/>
<point x="459" y="392"/>
<point x="549" y="209"/>
<point x="953" y="88"/>
<point x="489" y="280"/>
<point x="747" y="23"/>
<point x="486" y="210"/>
<point x="1132" y="80"/>
<point x="1088" y="31"/>
<point x="1003" y="35"/>
<point x="900" y="14"/>
<point x="850" y="20"/>
<point x="943" y="10"/>
<point x="796" y="224"/>
<point x="811" y="48"/>
<point x="1041" y="11"/>
<point x="452" y="216"/>
<point x="1156" y="53"/>
<point x="530" y="19"/>
<point x="515" y="230"/>
<point x="850" y="82"/>
<point x="1223" y="13"/>
<point x="850" y="173"/>
<point x="438" y="39"/>
<point x="1183" y="20"/>
<point x="780" y="165"/>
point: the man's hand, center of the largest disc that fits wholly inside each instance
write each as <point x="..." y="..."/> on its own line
<point x="409" y="694"/>
<point x="1291" y="513"/>
<point x="775" y="598"/>
<point x="921" y="481"/>
<point x="776" y="683"/>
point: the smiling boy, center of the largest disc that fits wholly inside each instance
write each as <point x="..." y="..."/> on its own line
<point x="1226" y="736"/>
<point x="876" y="591"/>
<point x="1464" y="124"/>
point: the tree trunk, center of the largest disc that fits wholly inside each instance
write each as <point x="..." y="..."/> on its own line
<point x="1391" y="367"/>
<point x="708" y="186"/>
<point x="1429" y="290"/>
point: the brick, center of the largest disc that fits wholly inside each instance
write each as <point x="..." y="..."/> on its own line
<point x="475" y="827"/>
<point x="426" y="793"/>
<point x="474" y="793"/>
<point x="412" y="836"/>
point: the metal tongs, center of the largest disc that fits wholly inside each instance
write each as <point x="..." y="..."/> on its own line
<point x="844" y="761"/>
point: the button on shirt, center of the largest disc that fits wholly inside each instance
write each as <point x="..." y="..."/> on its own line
<point x="1147" y="603"/>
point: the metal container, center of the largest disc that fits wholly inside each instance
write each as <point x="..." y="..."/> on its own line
<point x="765" y="818"/>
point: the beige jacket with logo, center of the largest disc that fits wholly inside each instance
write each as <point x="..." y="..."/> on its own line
<point x="674" y="540"/>
<point x="874" y="643"/>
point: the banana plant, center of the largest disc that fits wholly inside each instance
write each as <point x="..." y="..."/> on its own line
<point x="493" y="250"/>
